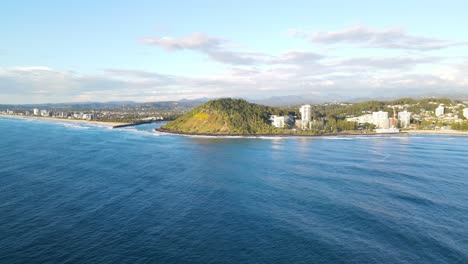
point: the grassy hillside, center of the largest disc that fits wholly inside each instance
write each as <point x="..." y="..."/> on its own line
<point x="226" y="116"/>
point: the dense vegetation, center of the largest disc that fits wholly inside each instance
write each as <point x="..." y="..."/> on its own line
<point x="226" y="116"/>
<point x="341" y="110"/>
<point x="236" y="116"/>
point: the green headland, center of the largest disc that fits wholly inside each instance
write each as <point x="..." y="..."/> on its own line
<point x="229" y="116"/>
<point x="225" y="116"/>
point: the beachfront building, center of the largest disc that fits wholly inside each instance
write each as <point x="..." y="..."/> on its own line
<point x="404" y="117"/>
<point x="439" y="111"/>
<point x="35" y="111"/>
<point x="44" y="113"/>
<point x="465" y="113"/>
<point x="361" y="119"/>
<point x="306" y="115"/>
<point x="380" y="119"/>
<point x="365" y="119"/>
<point x="278" y="121"/>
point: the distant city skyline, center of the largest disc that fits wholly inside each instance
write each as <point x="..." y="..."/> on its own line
<point x="158" y="51"/>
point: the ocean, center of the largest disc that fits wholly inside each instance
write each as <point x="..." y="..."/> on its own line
<point x="81" y="193"/>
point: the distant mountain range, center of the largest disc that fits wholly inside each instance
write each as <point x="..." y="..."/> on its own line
<point x="287" y="100"/>
<point x="162" y="105"/>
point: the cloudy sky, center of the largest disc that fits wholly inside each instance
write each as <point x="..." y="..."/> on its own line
<point x="64" y="51"/>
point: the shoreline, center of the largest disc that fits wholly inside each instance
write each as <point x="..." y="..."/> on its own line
<point x="437" y="132"/>
<point x="112" y="124"/>
<point x="405" y="132"/>
<point x="162" y="130"/>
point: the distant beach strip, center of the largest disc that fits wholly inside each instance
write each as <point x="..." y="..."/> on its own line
<point x="112" y="124"/>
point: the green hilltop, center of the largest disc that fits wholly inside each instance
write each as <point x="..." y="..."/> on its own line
<point x="225" y="116"/>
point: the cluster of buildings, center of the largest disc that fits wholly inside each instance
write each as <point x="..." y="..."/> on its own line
<point x="283" y="121"/>
<point x="381" y="120"/>
<point x="46" y="113"/>
<point x="87" y="115"/>
<point x="444" y="113"/>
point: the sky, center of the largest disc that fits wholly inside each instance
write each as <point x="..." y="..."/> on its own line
<point x="144" y="51"/>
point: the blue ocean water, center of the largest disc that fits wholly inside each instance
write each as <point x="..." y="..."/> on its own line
<point x="75" y="193"/>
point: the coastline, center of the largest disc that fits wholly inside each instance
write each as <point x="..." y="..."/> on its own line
<point x="405" y="132"/>
<point x="438" y="132"/>
<point x="112" y="124"/>
<point x="162" y="130"/>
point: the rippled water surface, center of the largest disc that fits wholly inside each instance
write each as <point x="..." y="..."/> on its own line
<point x="75" y="193"/>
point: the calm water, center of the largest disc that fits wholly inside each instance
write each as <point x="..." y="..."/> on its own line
<point x="86" y="194"/>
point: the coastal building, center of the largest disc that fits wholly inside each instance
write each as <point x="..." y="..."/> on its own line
<point x="404" y="117"/>
<point x="465" y="113"/>
<point x="35" y="111"/>
<point x="367" y="118"/>
<point x="306" y="115"/>
<point x="44" y="113"/>
<point x="439" y="111"/>
<point x="380" y="119"/>
<point x="278" y="121"/>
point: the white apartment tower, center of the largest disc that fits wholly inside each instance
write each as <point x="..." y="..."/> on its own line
<point x="35" y="111"/>
<point x="306" y="115"/>
<point x="380" y="119"/>
<point x="277" y="121"/>
<point x="404" y="118"/>
<point x="439" y="111"/>
<point x="465" y="113"/>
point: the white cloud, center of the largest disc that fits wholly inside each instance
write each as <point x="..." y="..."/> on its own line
<point x="39" y="85"/>
<point x="215" y="48"/>
<point x="387" y="38"/>
<point x="297" y="57"/>
<point x="384" y="63"/>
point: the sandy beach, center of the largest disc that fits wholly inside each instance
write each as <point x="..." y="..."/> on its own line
<point x="442" y="132"/>
<point x="112" y="124"/>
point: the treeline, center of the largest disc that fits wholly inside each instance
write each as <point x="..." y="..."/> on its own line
<point x="428" y="124"/>
<point x="460" y="126"/>
<point x="415" y="106"/>
<point x="242" y="116"/>
<point x="333" y="125"/>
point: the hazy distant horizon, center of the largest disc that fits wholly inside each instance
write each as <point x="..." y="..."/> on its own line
<point x="273" y="101"/>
